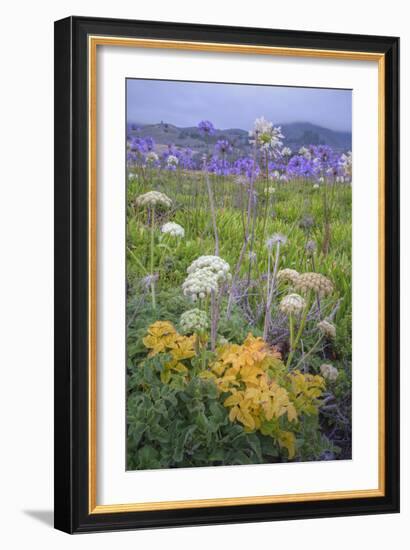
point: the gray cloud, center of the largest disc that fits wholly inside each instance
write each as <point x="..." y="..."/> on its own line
<point x="235" y="105"/>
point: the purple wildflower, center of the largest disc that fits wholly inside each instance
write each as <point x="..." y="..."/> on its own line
<point x="219" y="166"/>
<point x="246" y="166"/>
<point x="142" y="145"/>
<point x="300" y="166"/>
<point x="324" y="156"/>
<point x="206" y="128"/>
<point x="223" y="147"/>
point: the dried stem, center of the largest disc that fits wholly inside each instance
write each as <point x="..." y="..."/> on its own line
<point x="214" y="319"/>
<point x="251" y="205"/>
<point x="213" y="212"/>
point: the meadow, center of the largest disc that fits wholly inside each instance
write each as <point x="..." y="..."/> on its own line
<point x="238" y="304"/>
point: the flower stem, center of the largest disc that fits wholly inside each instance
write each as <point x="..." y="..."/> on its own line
<point x="250" y="207"/>
<point x="137" y="260"/>
<point x="203" y="356"/>
<point x="291" y="330"/>
<point x="299" y="333"/>
<point x="214" y="319"/>
<point x="213" y="212"/>
<point x="271" y="288"/>
<point x="153" y="299"/>
<point x="317" y="297"/>
<point x="265" y="217"/>
<point x="312" y="349"/>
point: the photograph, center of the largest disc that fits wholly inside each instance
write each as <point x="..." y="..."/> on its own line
<point x="227" y="312"/>
<point x="238" y="274"/>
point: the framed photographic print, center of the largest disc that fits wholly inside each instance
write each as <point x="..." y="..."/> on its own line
<point x="226" y="274"/>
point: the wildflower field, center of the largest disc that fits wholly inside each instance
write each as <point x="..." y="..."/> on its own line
<point x="238" y="302"/>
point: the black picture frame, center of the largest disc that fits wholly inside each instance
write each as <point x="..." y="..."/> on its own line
<point x="72" y="276"/>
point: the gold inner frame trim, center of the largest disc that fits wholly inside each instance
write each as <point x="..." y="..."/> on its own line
<point x="93" y="42"/>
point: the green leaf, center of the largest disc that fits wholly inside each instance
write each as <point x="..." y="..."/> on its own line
<point x="136" y="431"/>
<point x="148" y="457"/>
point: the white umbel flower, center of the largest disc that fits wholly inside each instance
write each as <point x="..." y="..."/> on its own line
<point x="215" y="264"/>
<point x="265" y="135"/>
<point x="194" y="321"/>
<point x="327" y="329"/>
<point x="173" y="229"/>
<point x="286" y="152"/>
<point x="346" y="162"/>
<point x="329" y="372"/>
<point x="151" y="157"/>
<point x="314" y="281"/>
<point x="199" y="284"/>
<point x="205" y="274"/>
<point x="304" y="151"/>
<point x="287" y="275"/>
<point x="262" y="126"/>
<point x="172" y="160"/>
<point x="269" y="190"/>
<point x="154" y="199"/>
<point x="292" y="304"/>
<point x="316" y="186"/>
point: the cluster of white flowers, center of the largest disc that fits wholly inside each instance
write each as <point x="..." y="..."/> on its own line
<point x="205" y="274"/>
<point x="316" y="282"/>
<point x="173" y="229"/>
<point x="217" y="265"/>
<point x="304" y="151"/>
<point x="287" y="275"/>
<point x="200" y="284"/>
<point x="329" y="372"/>
<point x="292" y="304"/>
<point x="152" y="157"/>
<point x="316" y="186"/>
<point x="132" y="176"/>
<point x="346" y="162"/>
<point x="194" y="321"/>
<point x="265" y="135"/>
<point x="275" y="175"/>
<point x="261" y="126"/>
<point x="154" y="199"/>
<point x="172" y="160"/>
<point x="327" y="329"/>
<point x="269" y="190"/>
<point x="286" y="152"/>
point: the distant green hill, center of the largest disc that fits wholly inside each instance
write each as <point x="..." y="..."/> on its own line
<point x="305" y="133"/>
<point x="296" y="134"/>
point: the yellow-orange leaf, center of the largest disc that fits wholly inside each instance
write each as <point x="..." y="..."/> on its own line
<point x="287" y="440"/>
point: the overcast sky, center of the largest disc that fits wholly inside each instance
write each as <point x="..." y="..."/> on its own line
<point x="235" y="105"/>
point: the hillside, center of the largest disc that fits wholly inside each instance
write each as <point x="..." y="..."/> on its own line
<point x="296" y="134"/>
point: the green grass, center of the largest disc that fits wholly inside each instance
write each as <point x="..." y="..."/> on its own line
<point x="291" y="203"/>
<point x="289" y="209"/>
